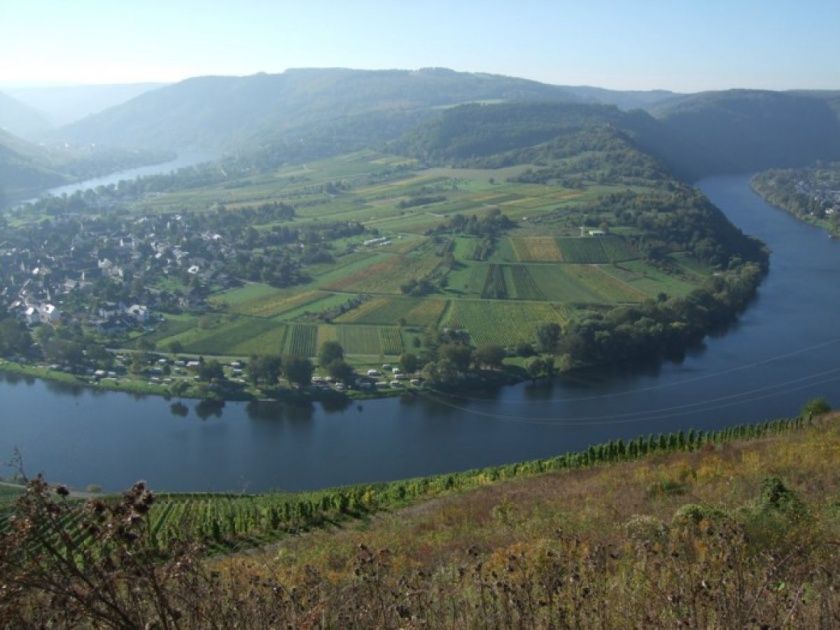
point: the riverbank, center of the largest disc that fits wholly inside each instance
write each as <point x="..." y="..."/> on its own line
<point x="790" y="203"/>
<point x="652" y="331"/>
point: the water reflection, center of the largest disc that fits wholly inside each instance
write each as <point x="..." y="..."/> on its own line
<point x="179" y="409"/>
<point x="209" y="409"/>
<point x="275" y="411"/>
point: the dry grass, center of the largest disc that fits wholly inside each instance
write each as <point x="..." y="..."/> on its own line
<point x="595" y="502"/>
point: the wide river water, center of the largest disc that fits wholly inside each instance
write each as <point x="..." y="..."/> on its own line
<point x="784" y="350"/>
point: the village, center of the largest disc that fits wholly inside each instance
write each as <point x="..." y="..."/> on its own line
<point x="824" y="193"/>
<point x="110" y="276"/>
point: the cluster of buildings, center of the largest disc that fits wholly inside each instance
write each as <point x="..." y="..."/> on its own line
<point x="826" y="196"/>
<point x="115" y="266"/>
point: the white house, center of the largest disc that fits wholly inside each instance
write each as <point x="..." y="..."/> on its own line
<point x="43" y="313"/>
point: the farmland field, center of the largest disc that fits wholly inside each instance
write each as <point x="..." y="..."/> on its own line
<point x="537" y="249"/>
<point x="388" y="275"/>
<point x="377" y="298"/>
<point x="391" y="340"/>
<point x="225" y="338"/>
<point x="650" y="280"/>
<point x="272" y="305"/>
<point x="326" y="333"/>
<point x="173" y="326"/>
<point x="559" y="283"/>
<point x="495" y="286"/>
<point x="250" y="292"/>
<point x="501" y="322"/>
<point x="360" y="339"/>
<point x="387" y="310"/>
<point x="582" y="250"/>
<point x="523" y="286"/>
<point x="325" y="302"/>
<point x="301" y="340"/>
<point x="270" y="342"/>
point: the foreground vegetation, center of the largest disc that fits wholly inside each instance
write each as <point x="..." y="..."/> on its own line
<point x="729" y="529"/>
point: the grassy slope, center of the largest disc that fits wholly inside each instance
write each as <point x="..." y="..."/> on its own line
<point x="510" y="525"/>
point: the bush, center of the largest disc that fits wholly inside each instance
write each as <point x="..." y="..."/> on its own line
<point x="815" y="407"/>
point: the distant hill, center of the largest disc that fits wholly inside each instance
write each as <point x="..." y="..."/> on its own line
<point x="66" y="104"/>
<point x="306" y="114"/>
<point x="21" y="119"/>
<point x="623" y="99"/>
<point x="24" y="167"/>
<point x="499" y="134"/>
<point x="225" y="112"/>
<point x="748" y="130"/>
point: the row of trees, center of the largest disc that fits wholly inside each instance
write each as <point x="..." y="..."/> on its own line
<point x="266" y="370"/>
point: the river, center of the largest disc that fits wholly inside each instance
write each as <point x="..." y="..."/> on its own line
<point x="182" y="160"/>
<point x="783" y="350"/>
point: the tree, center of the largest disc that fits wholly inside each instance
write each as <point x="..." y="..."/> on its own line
<point x="210" y="370"/>
<point x="439" y="372"/>
<point x="175" y="347"/>
<point x="490" y="355"/>
<point x="409" y="362"/>
<point x="342" y="371"/>
<point x="14" y="337"/>
<point x="535" y="368"/>
<point x="264" y="369"/>
<point x="525" y="349"/>
<point x="330" y="351"/>
<point x="548" y="336"/>
<point x="298" y="371"/>
<point x="457" y="354"/>
<point x="815" y="407"/>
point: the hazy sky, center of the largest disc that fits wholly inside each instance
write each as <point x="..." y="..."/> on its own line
<point x="683" y="45"/>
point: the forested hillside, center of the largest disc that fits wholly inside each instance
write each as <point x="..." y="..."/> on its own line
<point x="225" y="111"/>
<point x="749" y="130"/>
<point x="307" y="114"/>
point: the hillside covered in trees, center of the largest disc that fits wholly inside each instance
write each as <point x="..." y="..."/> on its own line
<point x="306" y="114"/>
<point x="739" y="131"/>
